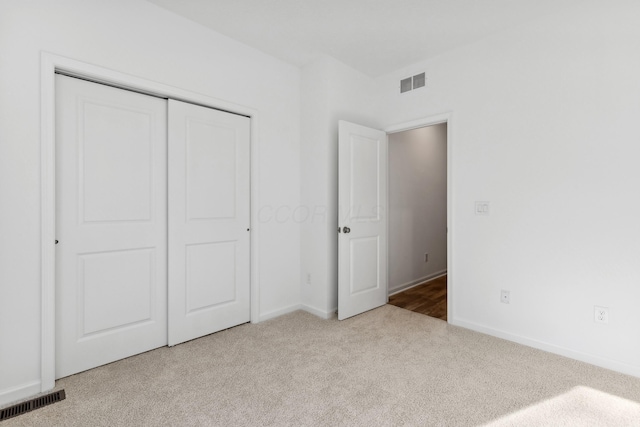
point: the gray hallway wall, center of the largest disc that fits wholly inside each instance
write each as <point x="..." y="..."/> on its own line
<point x="417" y="205"/>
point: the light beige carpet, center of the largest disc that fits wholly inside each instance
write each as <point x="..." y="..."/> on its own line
<point x="387" y="367"/>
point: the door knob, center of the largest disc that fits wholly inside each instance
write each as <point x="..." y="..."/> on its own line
<point x="346" y="230"/>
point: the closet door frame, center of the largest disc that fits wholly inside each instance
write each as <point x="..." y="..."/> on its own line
<point x="50" y="64"/>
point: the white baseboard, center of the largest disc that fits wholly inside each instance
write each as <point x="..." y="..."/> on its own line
<point x="290" y="309"/>
<point x="279" y="312"/>
<point x="23" y="391"/>
<point x="551" y="348"/>
<point x="414" y="283"/>
<point x="320" y="313"/>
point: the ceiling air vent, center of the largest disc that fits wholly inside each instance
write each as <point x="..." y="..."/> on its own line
<point x="405" y="85"/>
<point x="418" y="80"/>
<point x="415" y="82"/>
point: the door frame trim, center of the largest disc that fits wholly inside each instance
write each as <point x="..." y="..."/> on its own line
<point x="419" y="123"/>
<point x="50" y="64"/>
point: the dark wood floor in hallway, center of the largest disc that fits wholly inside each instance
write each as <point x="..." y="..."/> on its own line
<point x="428" y="298"/>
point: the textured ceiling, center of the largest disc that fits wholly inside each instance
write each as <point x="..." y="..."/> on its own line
<point x="373" y="36"/>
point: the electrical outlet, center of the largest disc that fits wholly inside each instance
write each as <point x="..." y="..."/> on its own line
<point x="601" y="314"/>
<point x="308" y="278"/>
<point x="505" y="297"/>
<point x="426" y="257"/>
<point x="482" y="208"/>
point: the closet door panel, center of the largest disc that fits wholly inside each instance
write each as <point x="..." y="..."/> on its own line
<point x="209" y="220"/>
<point x="111" y="214"/>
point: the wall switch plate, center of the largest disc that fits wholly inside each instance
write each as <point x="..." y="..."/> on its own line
<point x="505" y="297"/>
<point x="426" y="257"/>
<point x="601" y="314"/>
<point x="308" y="278"/>
<point x="482" y="208"/>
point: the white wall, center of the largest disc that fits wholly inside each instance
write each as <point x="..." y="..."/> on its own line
<point x="545" y="127"/>
<point x="331" y="91"/>
<point x="417" y="205"/>
<point x="138" y="38"/>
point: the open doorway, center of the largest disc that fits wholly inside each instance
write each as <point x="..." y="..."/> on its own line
<point x="418" y="220"/>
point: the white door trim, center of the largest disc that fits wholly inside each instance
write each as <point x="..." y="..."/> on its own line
<point x="429" y="121"/>
<point x="49" y="64"/>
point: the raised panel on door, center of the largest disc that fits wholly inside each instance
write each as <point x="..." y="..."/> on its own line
<point x="365" y="183"/>
<point x="364" y="255"/>
<point x="208" y="263"/>
<point x="208" y="221"/>
<point x="362" y="242"/>
<point x="115" y="175"/>
<point x="115" y="289"/>
<point x="110" y="224"/>
<point x="211" y="170"/>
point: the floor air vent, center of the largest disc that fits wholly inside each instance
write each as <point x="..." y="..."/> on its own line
<point x="31" y="405"/>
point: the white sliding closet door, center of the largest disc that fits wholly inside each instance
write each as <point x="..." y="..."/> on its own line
<point x="111" y="216"/>
<point x="153" y="242"/>
<point x="209" y="218"/>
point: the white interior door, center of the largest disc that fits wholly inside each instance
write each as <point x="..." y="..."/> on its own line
<point x="110" y="223"/>
<point x="362" y="240"/>
<point x="209" y="219"/>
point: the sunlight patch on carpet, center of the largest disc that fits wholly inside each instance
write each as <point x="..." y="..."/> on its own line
<point x="581" y="406"/>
